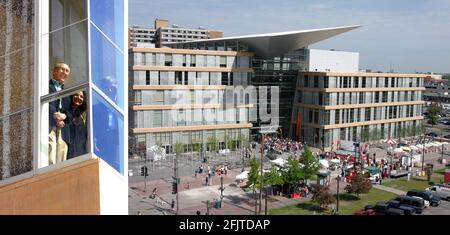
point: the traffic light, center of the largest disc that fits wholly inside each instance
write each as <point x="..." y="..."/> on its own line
<point x="144" y="171"/>
<point x="174" y="187"/>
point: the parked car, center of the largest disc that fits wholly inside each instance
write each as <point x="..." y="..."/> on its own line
<point x="366" y="212"/>
<point x="432" y="134"/>
<point x="406" y="209"/>
<point x="417" y="203"/>
<point x="433" y="200"/>
<point x="440" y="191"/>
<point x="384" y="209"/>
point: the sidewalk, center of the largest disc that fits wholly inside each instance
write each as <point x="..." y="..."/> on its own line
<point x="388" y="189"/>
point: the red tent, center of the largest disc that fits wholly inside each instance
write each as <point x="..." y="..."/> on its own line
<point x="390" y="141"/>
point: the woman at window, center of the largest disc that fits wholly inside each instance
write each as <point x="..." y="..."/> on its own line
<point x="75" y="133"/>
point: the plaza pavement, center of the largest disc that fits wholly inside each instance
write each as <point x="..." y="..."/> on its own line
<point x="235" y="200"/>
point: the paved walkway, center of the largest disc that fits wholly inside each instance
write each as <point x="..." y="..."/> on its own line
<point x="389" y="189"/>
<point x="236" y="201"/>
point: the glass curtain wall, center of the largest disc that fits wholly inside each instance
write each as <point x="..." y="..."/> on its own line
<point x="107" y="71"/>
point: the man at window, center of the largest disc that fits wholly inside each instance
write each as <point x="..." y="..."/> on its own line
<point x="57" y="148"/>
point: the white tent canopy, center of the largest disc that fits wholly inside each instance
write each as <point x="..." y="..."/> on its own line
<point x="242" y="176"/>
<point x="324" y="163"/>
<point x="335" y="161"/>
<point x="279" y="161"/>
<point x="156" y="153"/>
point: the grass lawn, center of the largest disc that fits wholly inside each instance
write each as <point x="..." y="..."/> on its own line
<point x="415" y="182"/>
<point x="303" y="208"/>
<point x="348" y="204"/>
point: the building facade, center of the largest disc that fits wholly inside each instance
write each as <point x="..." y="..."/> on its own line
<point x="163" y="33"/>
<point x="278" y="57"/>
<point x="356" y="107"/>
<point x="138" y="35"/>
<point x="183" y="96"/>
<point x="85" y="40"/>
<point x="437" y="91"/>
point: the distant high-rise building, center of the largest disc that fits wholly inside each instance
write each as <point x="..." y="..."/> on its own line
<point x="163" y="33"/>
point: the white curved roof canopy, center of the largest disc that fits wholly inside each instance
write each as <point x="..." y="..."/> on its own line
<point x="275" y="44"/>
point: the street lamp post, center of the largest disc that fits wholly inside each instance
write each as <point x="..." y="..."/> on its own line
<point x="323" y="140"/>
<point x="423" y="152"/>
<point x="244" y="154"/>
<point x="261" y="183"/>
<point x="221" y="188"/>
<point x="145" y="173"/>
<point x="410" y="165"/>
<point x="338" y="178"/>
<point x="265" y="205"/>
<point x="356" y="144"/>
<point x="442" y="149"/>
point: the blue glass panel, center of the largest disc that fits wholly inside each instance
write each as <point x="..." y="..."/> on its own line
<point x="108" y="133"/>
<point x="108" y="15"/>
<point x="107" y="67"/>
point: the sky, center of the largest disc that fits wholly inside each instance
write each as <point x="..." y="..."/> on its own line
<point x="402" y="35"/>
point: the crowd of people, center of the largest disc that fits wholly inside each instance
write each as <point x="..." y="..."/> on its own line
<point x="281" y="145"/>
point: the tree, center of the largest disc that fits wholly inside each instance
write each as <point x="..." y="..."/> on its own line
<point x="212" y="144"/>
<point x="197" y="147"/>
<point x="310" y="164"/>
<point x="409" y="131"/>
<point x="292" y="174"/>
<point x="374" y="134"/>
<point x="322" y="196"/>
<point x="433" y="113"/>
<point x="273" y="177"/>
<point x="179" y="148"/>
<point x="366" y="135"/>
<point x="254" y="177"/>
<point x="231" y="144"/>
<point x="359" y="185"/>
<point x="419" y="130"/>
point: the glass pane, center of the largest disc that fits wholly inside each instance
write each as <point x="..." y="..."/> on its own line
<point x="108" y="133"/>
<point x="16" y="148"/>
<point x="67" y="127"/>
<point x="66" y="12"/>
<point x="68" y="45"/>
<point x="16" y="81"/>
<point x="108" y="16"/>
<point x="107" y="67"/>
<point x="16" y="27"/>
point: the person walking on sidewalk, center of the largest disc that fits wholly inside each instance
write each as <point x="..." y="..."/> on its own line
<point x="206" y="180"/>
<point x="172" y="205"/>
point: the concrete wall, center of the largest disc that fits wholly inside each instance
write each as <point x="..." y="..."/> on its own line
<point x="70" y="190"/>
